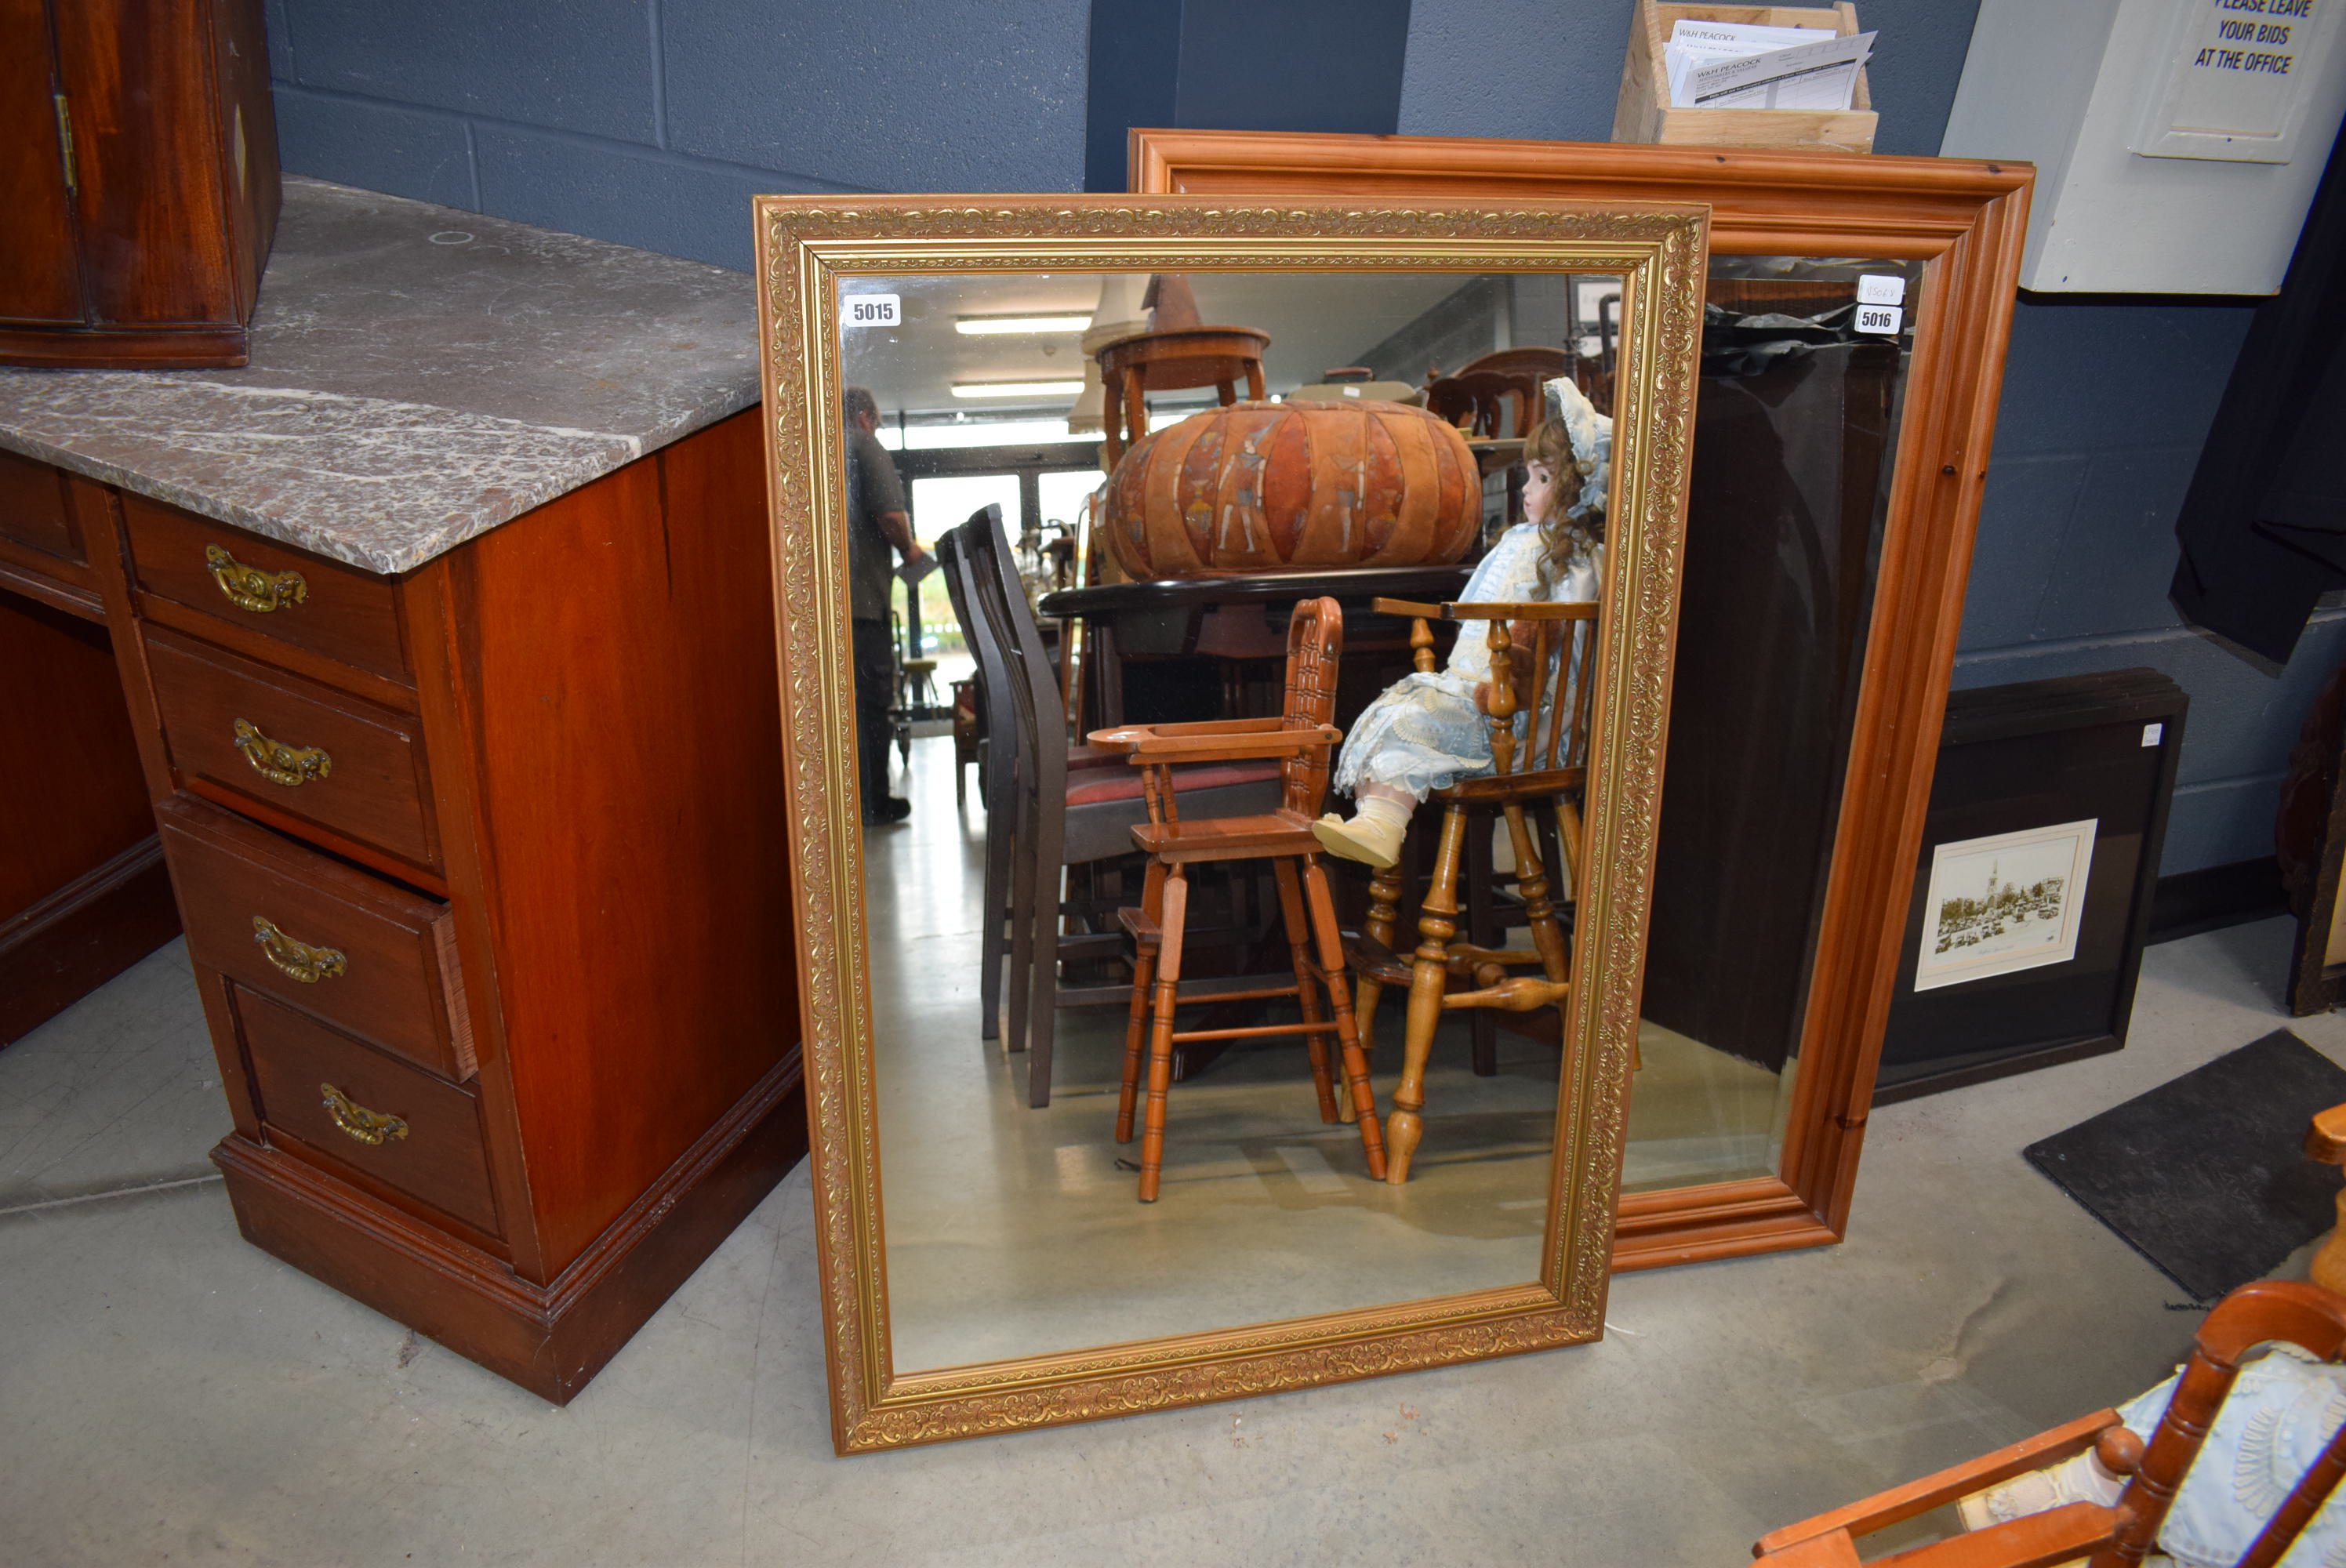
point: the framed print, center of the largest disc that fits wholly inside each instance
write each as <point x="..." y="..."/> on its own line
<point x="2003" y="903"/>
<point x="2035" y="878"/>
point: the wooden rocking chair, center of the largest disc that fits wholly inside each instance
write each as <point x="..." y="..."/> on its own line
<point x="2122" y="1533"/>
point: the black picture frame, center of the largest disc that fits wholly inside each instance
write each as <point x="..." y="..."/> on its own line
<point x="2022" y="756"/>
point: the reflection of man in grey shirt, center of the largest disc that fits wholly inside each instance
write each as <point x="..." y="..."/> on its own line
<point x="877" y="522"/>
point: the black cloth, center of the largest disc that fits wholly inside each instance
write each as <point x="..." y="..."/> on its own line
<point x="1792" y="434"/>
<point x="875" y="680"/>
<point x="2263" y="526"/>
<point x="872" y="490"/>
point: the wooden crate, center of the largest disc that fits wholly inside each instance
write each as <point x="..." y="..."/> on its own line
<point x="1644" y="112"/>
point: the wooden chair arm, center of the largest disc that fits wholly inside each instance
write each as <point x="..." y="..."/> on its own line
<point x="1833" y="1551"/>
<point x="1410" y="608"/>
<point x="1120" y="739"/>
<point x="1578" y="610"/>
<point x="1147" y="745"/>
<point x="1904" y="1502"/>
<point x="1492" y="611"/>
<point x="2045" y="1540"/>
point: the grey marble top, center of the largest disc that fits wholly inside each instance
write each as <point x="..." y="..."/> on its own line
<point x="419" y="375"/>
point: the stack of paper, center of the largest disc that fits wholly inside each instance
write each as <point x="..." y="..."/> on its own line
<point x="1743" y="65"/>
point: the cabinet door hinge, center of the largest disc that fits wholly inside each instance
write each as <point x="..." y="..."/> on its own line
<point x="64" y="141"/>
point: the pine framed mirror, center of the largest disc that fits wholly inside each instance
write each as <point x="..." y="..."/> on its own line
<point x="1836" y="480"/>
<point x="987" y="1262"/>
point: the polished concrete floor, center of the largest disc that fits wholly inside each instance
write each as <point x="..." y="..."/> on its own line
<point x="169" y="1395"/>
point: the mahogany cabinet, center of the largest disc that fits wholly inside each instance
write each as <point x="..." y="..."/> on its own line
<point x="483" y="877"/>
<point x="83" y="894"/>
<point x="139" y="171"/>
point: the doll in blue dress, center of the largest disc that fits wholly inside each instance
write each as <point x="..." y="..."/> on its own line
<point x="1428" y="730"/>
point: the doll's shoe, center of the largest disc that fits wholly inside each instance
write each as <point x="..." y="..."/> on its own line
<point x="1370" y="842"/>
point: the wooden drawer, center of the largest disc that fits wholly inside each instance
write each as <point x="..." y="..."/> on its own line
<point x="298" y="747"/>
<point x="357" y="1108"/>
<point x="33" y="510"/>
<point x="234" y="577"/>
<point x="392" y="976"/>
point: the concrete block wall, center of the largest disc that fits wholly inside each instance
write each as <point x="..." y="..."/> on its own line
<point x="2104" y="408"/>
<point x="651" y="122"/>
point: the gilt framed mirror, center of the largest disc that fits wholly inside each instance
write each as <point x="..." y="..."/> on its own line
<point x="1857" y="309"/>
<point x="998" y="1249"/>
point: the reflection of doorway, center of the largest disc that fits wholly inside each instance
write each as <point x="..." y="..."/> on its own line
<point x="1041" y="491"/>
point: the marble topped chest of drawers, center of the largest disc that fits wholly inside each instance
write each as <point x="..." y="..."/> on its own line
<point x="453" y="696"/>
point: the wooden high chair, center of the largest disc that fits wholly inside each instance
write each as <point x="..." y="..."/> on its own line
<point x="1301" y="738"/>
<point x="1549" y="765"/>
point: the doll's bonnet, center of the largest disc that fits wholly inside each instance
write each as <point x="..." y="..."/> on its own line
<point x="1592" y="442"/>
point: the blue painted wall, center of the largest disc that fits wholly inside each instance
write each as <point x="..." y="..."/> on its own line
<point x="652" y="121"/>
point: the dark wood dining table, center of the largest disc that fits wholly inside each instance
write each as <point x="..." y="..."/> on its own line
<point x="1210" y="647"/>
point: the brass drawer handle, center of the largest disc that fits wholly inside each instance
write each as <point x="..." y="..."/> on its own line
<point x="368" y="1127"/>
<point x="249" y="588"/>
<point x="298" y="960"/>
<point x="292" y="766"/>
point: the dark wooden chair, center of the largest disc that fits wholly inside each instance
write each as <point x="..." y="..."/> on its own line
<point x="1048" y="806"/>
<point x="1480" y="396"/>
<point x="1547" y="767"/>
<point x="968" y="734"/>
<point x="2122" y="1533"/>
<point x="1298" y="738"/>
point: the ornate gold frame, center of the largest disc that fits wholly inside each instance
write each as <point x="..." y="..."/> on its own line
<point x="804" y="244"/>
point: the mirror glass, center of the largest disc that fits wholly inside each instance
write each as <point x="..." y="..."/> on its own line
<point x="1803" y="380"/>
<point x="1013" y="1221"/>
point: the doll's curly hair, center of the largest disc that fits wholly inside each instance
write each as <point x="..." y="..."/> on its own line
<point x="1561" y="538"/>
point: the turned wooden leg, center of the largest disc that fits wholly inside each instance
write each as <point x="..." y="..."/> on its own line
<point x="2329" y="1267"/>
<point x="1291" y="910"/>
<point x="1348" y="1039"/>
<point x="1485" y="928"/>
<point x="1539" y="910"/>
<point x="1144" y="970"/>
<point x="1384" y="906"/>
<point x="2326" y="1142"/>
<point x="1384" y="898"/>
<point x="1567" y="843"/>
<point x="1136" y="408"/>
<point x="1430" y="976"/>
<point x="1170" y="921"/>
<point x="1531" y="882"/>
<point x="1136" y="1031"/>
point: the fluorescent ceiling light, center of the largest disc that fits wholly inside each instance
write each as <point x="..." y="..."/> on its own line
<point x="1017" y="389"/>
<point x="985" y="324"/>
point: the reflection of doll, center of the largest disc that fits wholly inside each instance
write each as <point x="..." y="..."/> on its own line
<point x="1428" y="730"/>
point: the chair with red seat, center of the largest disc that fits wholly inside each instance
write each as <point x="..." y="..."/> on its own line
<point x="1048" y="806"/>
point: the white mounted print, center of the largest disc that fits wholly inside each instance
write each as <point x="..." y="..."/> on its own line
<point x="2002" y="904"/>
